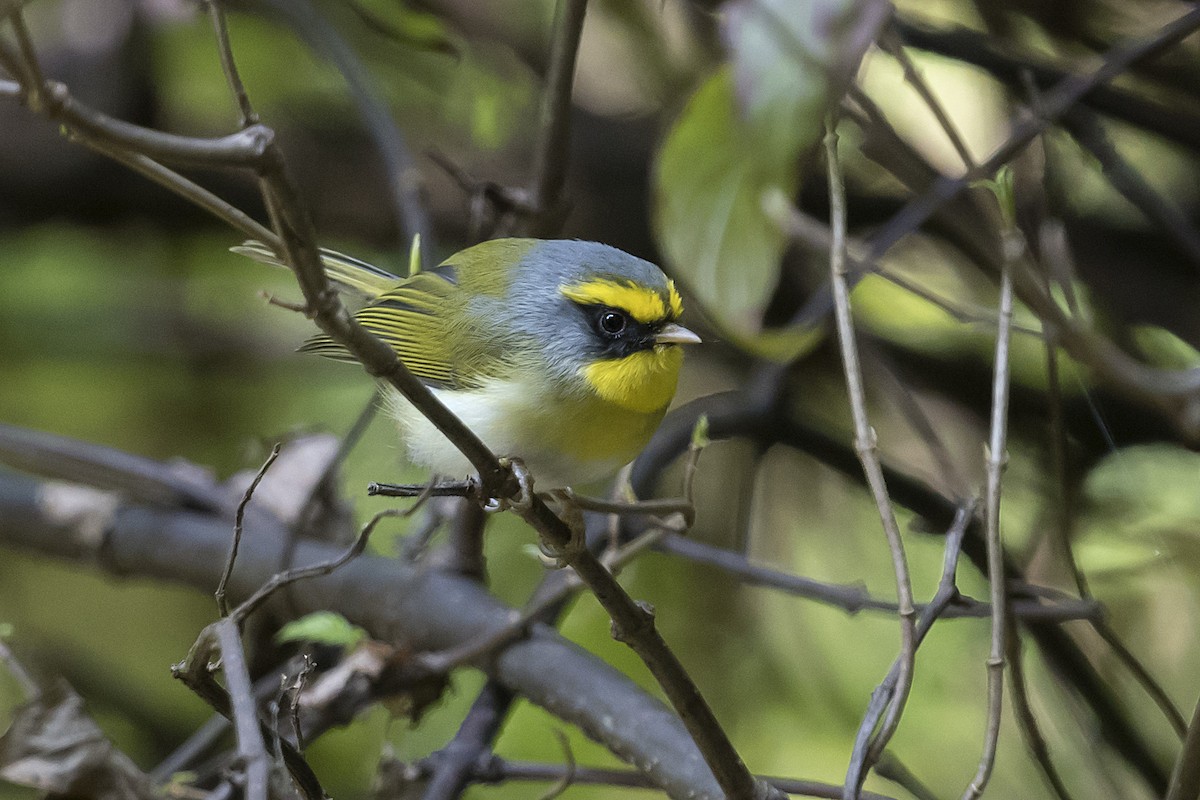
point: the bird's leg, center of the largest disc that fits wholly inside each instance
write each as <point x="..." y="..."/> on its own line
<point x="570" y="513"/>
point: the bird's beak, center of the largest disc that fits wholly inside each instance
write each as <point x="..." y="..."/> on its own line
<point x="675" y="334"/>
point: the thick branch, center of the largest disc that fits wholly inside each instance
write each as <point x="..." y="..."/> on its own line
<point x="417" y="609"/>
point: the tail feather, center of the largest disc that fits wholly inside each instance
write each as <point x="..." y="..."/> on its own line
<point x="350" y="273"/>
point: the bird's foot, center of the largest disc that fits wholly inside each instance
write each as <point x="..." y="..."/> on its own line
<point x="524" y="498"/>
<point x="562" y="555"/>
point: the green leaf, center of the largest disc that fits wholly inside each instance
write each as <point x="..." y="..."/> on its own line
<point x="710" y="186"/>
<point x="1165" y="349"/>
<point x="700" y="438"/>
<point x="408" y="26"/>
<point x="735" y="148"/>
<point x="1001" y="186"/>
<point x="322" y="627"/>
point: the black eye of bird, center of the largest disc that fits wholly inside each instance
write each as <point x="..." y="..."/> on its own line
<point x="612" y="323"/>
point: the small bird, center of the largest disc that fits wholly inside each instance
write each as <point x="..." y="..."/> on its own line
<point x="563" y="354"/>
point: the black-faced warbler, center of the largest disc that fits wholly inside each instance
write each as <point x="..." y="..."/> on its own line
<point x="564" y="354"/>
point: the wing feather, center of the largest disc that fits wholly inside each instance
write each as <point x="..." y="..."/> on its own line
<point x="411" y="318"/>
<point x="419" y="317"/>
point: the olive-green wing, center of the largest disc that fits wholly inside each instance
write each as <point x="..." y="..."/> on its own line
<point x="425" y="320"/>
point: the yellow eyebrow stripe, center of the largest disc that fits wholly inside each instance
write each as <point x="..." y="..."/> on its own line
<point x="643" y="304"/>
<point x="676" y="300"/>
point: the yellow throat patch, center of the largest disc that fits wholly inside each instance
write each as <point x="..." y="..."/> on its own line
<point x="643" y="381"/>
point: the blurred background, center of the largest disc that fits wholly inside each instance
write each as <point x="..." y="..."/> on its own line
<point x="125" y="321"/>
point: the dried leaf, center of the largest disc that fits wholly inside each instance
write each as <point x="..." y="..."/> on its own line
<point x="54" y="746"/>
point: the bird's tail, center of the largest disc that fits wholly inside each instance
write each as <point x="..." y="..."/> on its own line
<point x="349" y="273"/>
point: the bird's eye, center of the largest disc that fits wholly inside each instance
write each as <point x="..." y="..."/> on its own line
<point x="612" y="322"/>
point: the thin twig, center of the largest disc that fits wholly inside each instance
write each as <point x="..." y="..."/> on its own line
<point x="228" y="65"/>
<point x="239" y="518"/>
<point x="1179" y="122"/>
<point x="568" y="771"/>
<point x="497" y="770"/>
<point x="1088" y="131"/>
<point x="1027" y="721"/>
<point x="1143" y="677"/>
<point x="345" y="445"/>
<point x="892" y="769"/>
<point x="659" y="507"/>
<point x="997" y="457"/>
<point x="554" y="118"/>
<point x="853" y="598"/>
<point x="187" y="189"/>
<point x="252" y="751"/>
<point x="193" y="748"/>
<point x="895" y="48"/>
<point x="464" y="488"/>
<point x="28" y="56"/>
<point x="246" y="148"/>
<point x="196" y="673"/>
<point x="865" y="446"/>
<point x="946" y="594"/>
<point x="1185" y="777"/>
<point x="282" y="579"/>
<point x="546" y="598"/>
<point x="400" y="168"/>
<point x="1064" y="498"/>
<point x="294" y="691"/>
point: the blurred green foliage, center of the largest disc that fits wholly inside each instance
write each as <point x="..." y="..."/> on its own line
<point x="149" y="336"/>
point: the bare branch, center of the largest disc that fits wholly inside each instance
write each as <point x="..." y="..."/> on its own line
<point x="400" y="167"/>
<point x="1179" y="123"/>
<point x="1087" y="129"/>
<point x="228" y="66"/>
<point x="1013" y="246"/>
<point x="554" y="118"/>
<point x="866" y="447"/>
<point x="252" y="751"/>
<point x="946" y="592"/>
<point x="895" y="48"/>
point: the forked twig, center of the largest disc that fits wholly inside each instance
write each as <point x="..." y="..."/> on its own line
<point x="239" y="520"/>
<point x="946" y="593"/>
<point x="866" y="447"/>
<point x="1014" y="247"/>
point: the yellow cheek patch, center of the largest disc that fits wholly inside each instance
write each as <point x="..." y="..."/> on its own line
<point x="641" y="303"/>
<point x="643" y="381"/>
